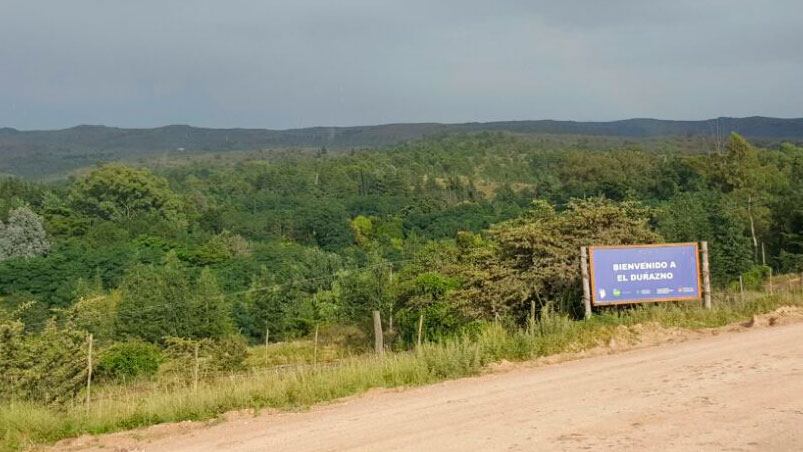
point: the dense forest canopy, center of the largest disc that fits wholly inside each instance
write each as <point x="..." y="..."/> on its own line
<point x="463" y="228"/>
<point x="45" y="153"/>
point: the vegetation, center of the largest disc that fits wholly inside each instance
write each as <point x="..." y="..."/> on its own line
<point x="25" y="423"/>
<point x="182" y="273"/>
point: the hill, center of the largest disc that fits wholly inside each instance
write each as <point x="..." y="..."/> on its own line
<point x="43" y="152"/>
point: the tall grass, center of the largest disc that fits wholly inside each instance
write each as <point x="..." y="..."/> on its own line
<point x="24" y="424"/>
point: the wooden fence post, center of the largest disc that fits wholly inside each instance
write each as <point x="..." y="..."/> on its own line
<point x="379" y="346"/>
<point x="706" y="276"/>
<point x="741" y="287"/>
<point x="771" y="288"/>
<point x="586" y="281"/>
<point x="267" y="336"/>
<point x="420" y="328"/>
<point x="195" y="368"/>
<point x="89" y="370"/>
<point x="315" y="349"/>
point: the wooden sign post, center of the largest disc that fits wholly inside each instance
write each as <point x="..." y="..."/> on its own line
<point x="586" y="281"/>
<point x="706" y="275"/>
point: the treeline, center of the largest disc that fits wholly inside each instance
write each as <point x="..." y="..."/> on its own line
<point x="459" y="229"/>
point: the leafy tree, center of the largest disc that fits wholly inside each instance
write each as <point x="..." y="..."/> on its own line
<point x="156" y="302"/>
<point x="535" y="258"/>
<point x="23" y="236"/>
<point x="118" y="192"/>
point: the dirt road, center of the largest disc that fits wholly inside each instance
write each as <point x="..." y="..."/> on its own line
<point x="734" y="391"/>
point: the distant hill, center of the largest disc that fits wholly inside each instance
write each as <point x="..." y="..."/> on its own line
<point x="42" y="152"/>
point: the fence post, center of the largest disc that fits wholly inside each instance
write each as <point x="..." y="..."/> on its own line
<point x="379" y="346"/>
<point x="771" y="289"/>
<point x="89" y="370"/>
<point x="420" y="327"/>
<point x="315" y="347"/>
<point x="195" y="368"/>
<point x="267" y="335"/>
<point x="741" y="287"/>
<point x="586" y="282"/>
<point x="706" y="276"/>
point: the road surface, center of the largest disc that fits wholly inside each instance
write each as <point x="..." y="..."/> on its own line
<point x="732" y="391"/>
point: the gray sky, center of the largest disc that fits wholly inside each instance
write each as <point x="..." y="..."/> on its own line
<point x="300" y="63"/>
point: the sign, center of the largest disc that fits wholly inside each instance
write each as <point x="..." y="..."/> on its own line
<point x="644" y="273"/>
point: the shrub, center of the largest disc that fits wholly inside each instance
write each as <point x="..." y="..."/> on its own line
<point x="214" y="355"/>
<point x="125" y="360"/>
<point x="755" y="278"/>
<point x="227" y="353"/>
<point x="48" y="367"/>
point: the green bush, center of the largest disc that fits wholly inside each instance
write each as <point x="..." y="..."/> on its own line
<point x="753" y="279"/>
<point x="126" y="360"/>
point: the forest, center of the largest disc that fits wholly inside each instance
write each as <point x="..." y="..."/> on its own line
<point x="452" y="231"/>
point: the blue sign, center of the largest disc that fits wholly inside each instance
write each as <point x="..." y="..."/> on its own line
<point x="644" y="273"/>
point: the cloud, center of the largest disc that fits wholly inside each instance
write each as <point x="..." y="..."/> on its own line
<point x="302" y="63"/>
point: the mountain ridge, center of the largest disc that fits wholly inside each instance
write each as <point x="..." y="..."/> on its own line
<point x="63" y="149"/>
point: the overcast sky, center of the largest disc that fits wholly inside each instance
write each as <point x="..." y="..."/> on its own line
<point x="302" y="63"/>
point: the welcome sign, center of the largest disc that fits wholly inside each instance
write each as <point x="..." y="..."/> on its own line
<point x="644" y="273"/>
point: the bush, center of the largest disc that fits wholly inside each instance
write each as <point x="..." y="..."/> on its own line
<point x="214" y="355"/>
<point x="126" y="360"/>
<point x="227" y="353"/>
<point x="753" y="279"/>
<point x="48" y="367"/>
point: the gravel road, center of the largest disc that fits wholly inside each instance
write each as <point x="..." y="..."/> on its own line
<point x="734" y="391"/>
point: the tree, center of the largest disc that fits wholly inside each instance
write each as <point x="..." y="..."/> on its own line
<point x="535" y="258"/>
<point x="211" y="314"/>
<point x="118" y="192"/>
<point x="23" y="236"/>
<point x="156" y="302"/>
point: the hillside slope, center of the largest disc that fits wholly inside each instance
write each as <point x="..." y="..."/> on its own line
<point x="39" y="152"/>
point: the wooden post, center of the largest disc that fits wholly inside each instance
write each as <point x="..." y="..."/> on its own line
<point x="706" y="276"/>
<point x="315" y="349"/>
<point x="531" y="326"/>
<point x="267" y="336"/>
<point x="420" y="329"/>
<point x="771" y="291"/>
<point x="379" y="346"/>
<point x="586" y="281"/>
<point x="741" y="287"/>
<point x="89" y="371"/>
<point x="763" y="255"/>
<point x="195" y="368"/>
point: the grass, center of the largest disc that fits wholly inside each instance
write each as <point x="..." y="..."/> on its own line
<point x="119" y="408"/>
